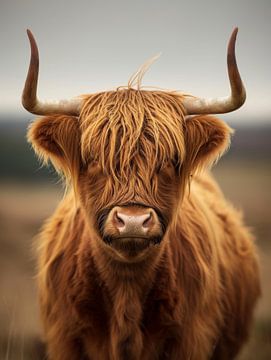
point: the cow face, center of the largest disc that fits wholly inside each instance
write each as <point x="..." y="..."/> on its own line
<point x="129" y="156"/>
<point x="132" y="156"/>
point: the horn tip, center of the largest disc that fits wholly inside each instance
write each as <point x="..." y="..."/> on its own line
<point x="232" y="41"/>
<point x="33" y="44"/>
<point x="234" y="33"/>
<point x="30" y="35"/>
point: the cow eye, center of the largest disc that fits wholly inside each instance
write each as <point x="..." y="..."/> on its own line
<point x="158" y="168"/>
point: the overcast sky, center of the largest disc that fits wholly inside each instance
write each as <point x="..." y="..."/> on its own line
<point x="86" y="46"/>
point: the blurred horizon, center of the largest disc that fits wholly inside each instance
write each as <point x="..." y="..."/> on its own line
<point x="12" y="116"/>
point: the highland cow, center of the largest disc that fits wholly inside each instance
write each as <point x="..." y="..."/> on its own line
<point x="144" y="258"/>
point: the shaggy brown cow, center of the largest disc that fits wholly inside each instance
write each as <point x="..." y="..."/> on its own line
<point x="144" y="258"/>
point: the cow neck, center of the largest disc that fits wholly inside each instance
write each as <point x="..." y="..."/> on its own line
<point x="128" y="288"/>
<point x="115" y="273"/>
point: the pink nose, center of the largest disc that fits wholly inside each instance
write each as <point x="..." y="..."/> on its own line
<point x="133" y="224"/>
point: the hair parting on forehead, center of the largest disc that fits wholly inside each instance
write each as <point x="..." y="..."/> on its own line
<point x="120" y="128"/>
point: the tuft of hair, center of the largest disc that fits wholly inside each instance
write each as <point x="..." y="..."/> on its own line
<point x="120" y="128"/>
<point x="136" y="79"/>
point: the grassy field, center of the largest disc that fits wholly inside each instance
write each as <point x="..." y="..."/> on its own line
<point x="23" y="208"/>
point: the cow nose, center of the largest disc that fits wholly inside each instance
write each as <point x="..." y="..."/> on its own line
<point x="133" y="225"/>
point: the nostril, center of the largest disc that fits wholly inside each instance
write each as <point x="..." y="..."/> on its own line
<point x="118" y="220"/>
<point x="147" y="222"/>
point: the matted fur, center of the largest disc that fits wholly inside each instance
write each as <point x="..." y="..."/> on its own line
<point x="192" y="296"/>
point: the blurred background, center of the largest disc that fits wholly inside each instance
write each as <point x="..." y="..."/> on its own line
<point x="87" y="46"/>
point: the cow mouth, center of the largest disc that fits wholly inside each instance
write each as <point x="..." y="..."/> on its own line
<point x="132" y="242"/>
<point x="131" y="246"/>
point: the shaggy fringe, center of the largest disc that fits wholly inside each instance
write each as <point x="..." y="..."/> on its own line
<point x="120" y="126"/>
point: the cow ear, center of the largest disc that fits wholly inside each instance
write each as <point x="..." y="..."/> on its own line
<point x="206" y="138"/>
<point x="57" y="138"/>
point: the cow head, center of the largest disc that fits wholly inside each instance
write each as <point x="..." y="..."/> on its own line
<point x="130" y="154"/>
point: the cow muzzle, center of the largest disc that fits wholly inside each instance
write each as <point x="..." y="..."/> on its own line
<point x="133" y="223"/>
<point x="132" y="228"/>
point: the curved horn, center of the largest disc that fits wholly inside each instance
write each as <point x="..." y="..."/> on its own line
<point x="29" y="97"/>
<point x="195" y="105"/>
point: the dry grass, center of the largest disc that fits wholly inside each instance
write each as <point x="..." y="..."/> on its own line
<point x="247" y="185"/>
